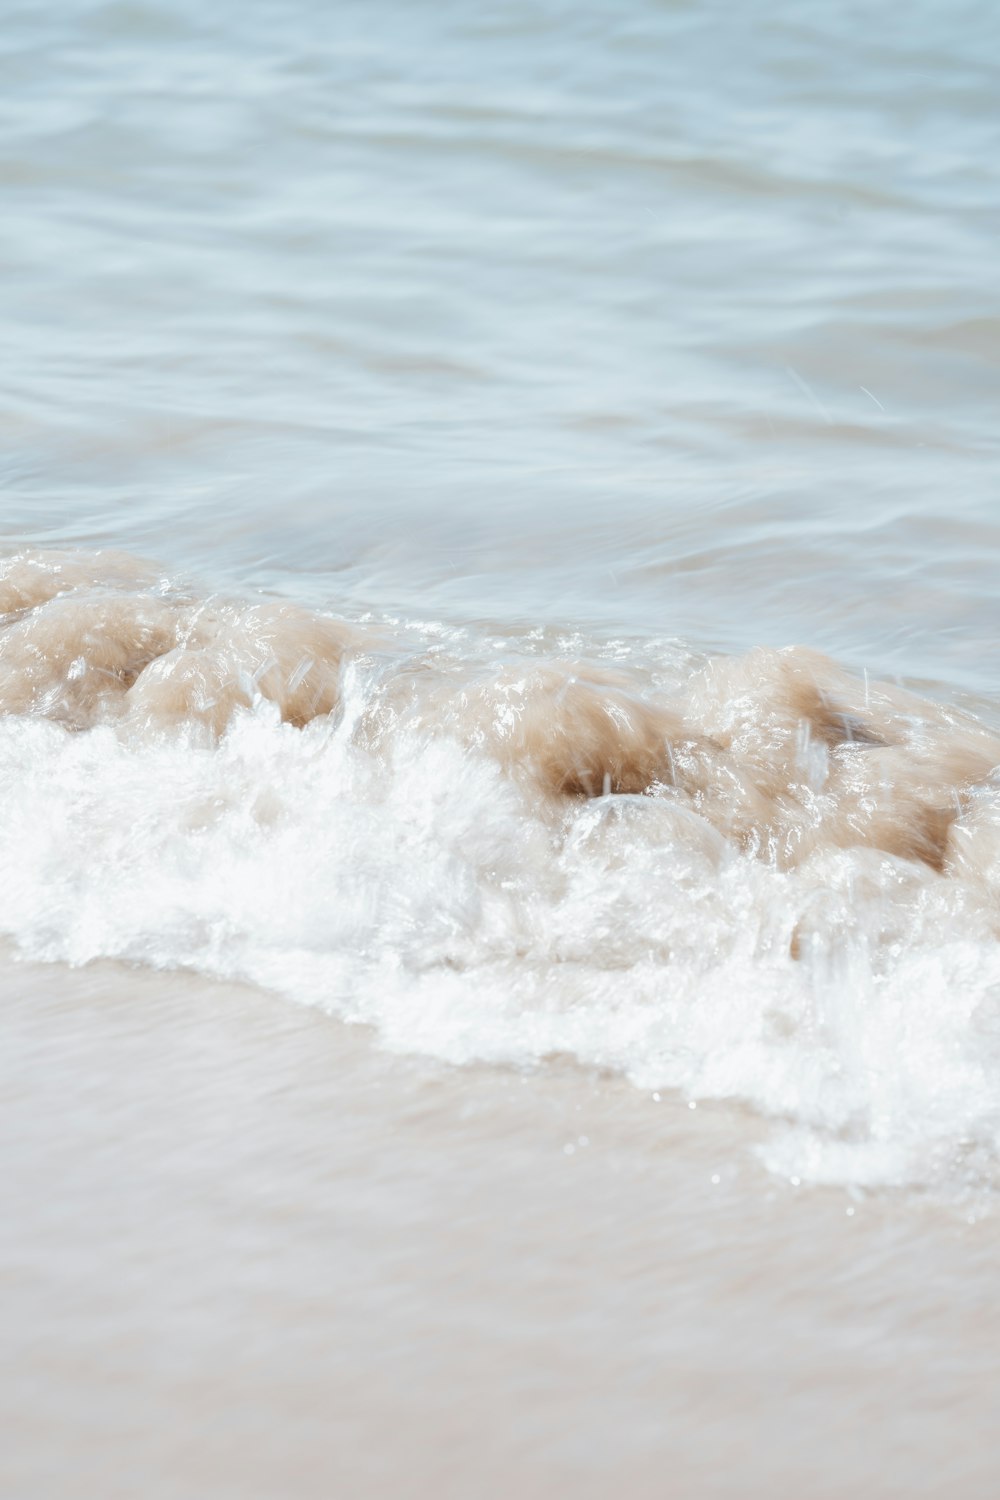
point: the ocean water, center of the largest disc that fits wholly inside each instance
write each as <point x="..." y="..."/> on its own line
<point x="499" y="531"/>
<point x="657" y="318"/>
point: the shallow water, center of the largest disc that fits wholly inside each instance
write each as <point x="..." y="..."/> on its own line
<point x="253" y="1254"/>
<point x="661" y="318"/>
<point x="479" y="405"/>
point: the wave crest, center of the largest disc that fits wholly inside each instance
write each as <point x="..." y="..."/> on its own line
<point x="755" y="878"/>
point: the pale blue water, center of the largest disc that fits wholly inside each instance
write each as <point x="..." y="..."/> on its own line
<point x="648" y="318"/>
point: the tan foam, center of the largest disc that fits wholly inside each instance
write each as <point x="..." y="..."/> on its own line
<point x="71" y="658"/>
<point x="780" y="752"/>
<point x="276" y="651"/>
<point x="32" y="577"/>
<point x="577" y="730"/>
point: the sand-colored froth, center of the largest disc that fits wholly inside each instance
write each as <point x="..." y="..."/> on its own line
<point x="72" y="660"/>
<point x="34" y="575"/>
<point x="270" y="652"/>
<point x="576" y="729"/>
<point x="760" y="877"/>
<point x="781" y="751"/>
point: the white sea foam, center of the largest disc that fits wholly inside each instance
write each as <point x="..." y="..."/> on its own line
<point x="417" y="883"/>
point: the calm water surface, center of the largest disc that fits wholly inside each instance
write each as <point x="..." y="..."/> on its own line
<point x="664" y="317"/>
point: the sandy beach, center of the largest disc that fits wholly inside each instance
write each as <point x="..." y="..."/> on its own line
<point x="246" y="1253"/>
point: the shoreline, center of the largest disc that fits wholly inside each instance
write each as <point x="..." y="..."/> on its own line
<point x="247" y="1253"/>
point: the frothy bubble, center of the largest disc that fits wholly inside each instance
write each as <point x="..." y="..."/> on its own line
<point x="755" y="881"/>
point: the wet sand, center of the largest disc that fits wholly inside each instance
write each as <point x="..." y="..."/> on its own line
<point x="248" y="1254"/>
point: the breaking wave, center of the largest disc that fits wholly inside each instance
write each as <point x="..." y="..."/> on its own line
<point x="758" y="879"/>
